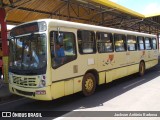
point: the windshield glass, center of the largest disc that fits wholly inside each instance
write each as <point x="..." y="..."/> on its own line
<point x="28" y="52"/>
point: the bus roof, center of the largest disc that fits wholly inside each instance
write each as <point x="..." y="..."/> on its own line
<point x="62" y="23"/>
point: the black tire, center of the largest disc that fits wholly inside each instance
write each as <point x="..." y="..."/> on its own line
<point x="141" y="69"/>
<point x="88" y="84"/>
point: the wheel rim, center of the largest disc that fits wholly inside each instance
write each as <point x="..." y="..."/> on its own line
<point x="89" y="84"/>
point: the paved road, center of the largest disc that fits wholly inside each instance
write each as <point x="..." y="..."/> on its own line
<point x="132" y="93"/>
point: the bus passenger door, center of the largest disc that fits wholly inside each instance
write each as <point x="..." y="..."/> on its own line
<point x="63" y="61"/>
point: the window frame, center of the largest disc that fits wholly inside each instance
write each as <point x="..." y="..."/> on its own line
<point x="94" y="42"/>
<point x="154" y="43"/>
<point x="124" y="42"/>
<point x="148" y="43"/>
<point x="75" y="47"/>
<point x="132" y="43"/>
<point x="138" y="43"/>
<point x="111" y="38"/>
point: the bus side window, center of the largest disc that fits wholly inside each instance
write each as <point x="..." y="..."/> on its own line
<point x="131" y="43"/>
<point x="105" y="42"/>
<point x="120" y="42"/>
<point x="86" y="42"/>
<point x="148" y="43"/>
<point x="63" y="48"/>
<point x="140" y="41"/>
<point x="154" y="43"/>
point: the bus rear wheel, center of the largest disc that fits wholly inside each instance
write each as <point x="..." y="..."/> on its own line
<point x="88" y="84"/>
<point x="141" y="69"/>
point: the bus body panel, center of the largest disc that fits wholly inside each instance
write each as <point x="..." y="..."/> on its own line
<point x="102" y="78"/>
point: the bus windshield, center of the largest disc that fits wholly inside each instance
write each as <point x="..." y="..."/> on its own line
<point x="28" y="52"/>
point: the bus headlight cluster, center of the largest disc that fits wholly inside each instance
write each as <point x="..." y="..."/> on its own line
<point x="42" y="82"/>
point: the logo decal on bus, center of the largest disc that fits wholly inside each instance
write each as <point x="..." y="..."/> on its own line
<point x="143" y="54"/>
<point x="110" y="60"/>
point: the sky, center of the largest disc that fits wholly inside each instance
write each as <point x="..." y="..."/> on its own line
<point x="145" y="7"/>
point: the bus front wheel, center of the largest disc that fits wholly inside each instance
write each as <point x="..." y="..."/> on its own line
<point x="141" y="68"/>
<point x="88" y="84"/>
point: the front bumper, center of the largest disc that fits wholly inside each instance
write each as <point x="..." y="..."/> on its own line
<point x="33" y="93"/>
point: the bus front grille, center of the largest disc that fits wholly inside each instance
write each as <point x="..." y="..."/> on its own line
<point x="24" y="81"/>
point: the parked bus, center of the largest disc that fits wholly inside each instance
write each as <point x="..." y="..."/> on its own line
<point x="51" y="58"/>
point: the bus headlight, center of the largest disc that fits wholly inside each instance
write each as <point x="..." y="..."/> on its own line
<point x="42" y="82"/>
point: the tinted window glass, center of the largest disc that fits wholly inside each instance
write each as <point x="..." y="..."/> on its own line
<point x="140" y="43"/>
<point x="131" y="43"/>
<point x="120" y="42"/>
<point x="63" y="48"/>
<point x="148" y="43"/>
<point x="86" y="42"/>
<point x="154" y="43"/>
<point x="105" y="42"/>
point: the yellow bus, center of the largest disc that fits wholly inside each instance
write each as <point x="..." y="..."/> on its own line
<point x="52" y="58"/>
